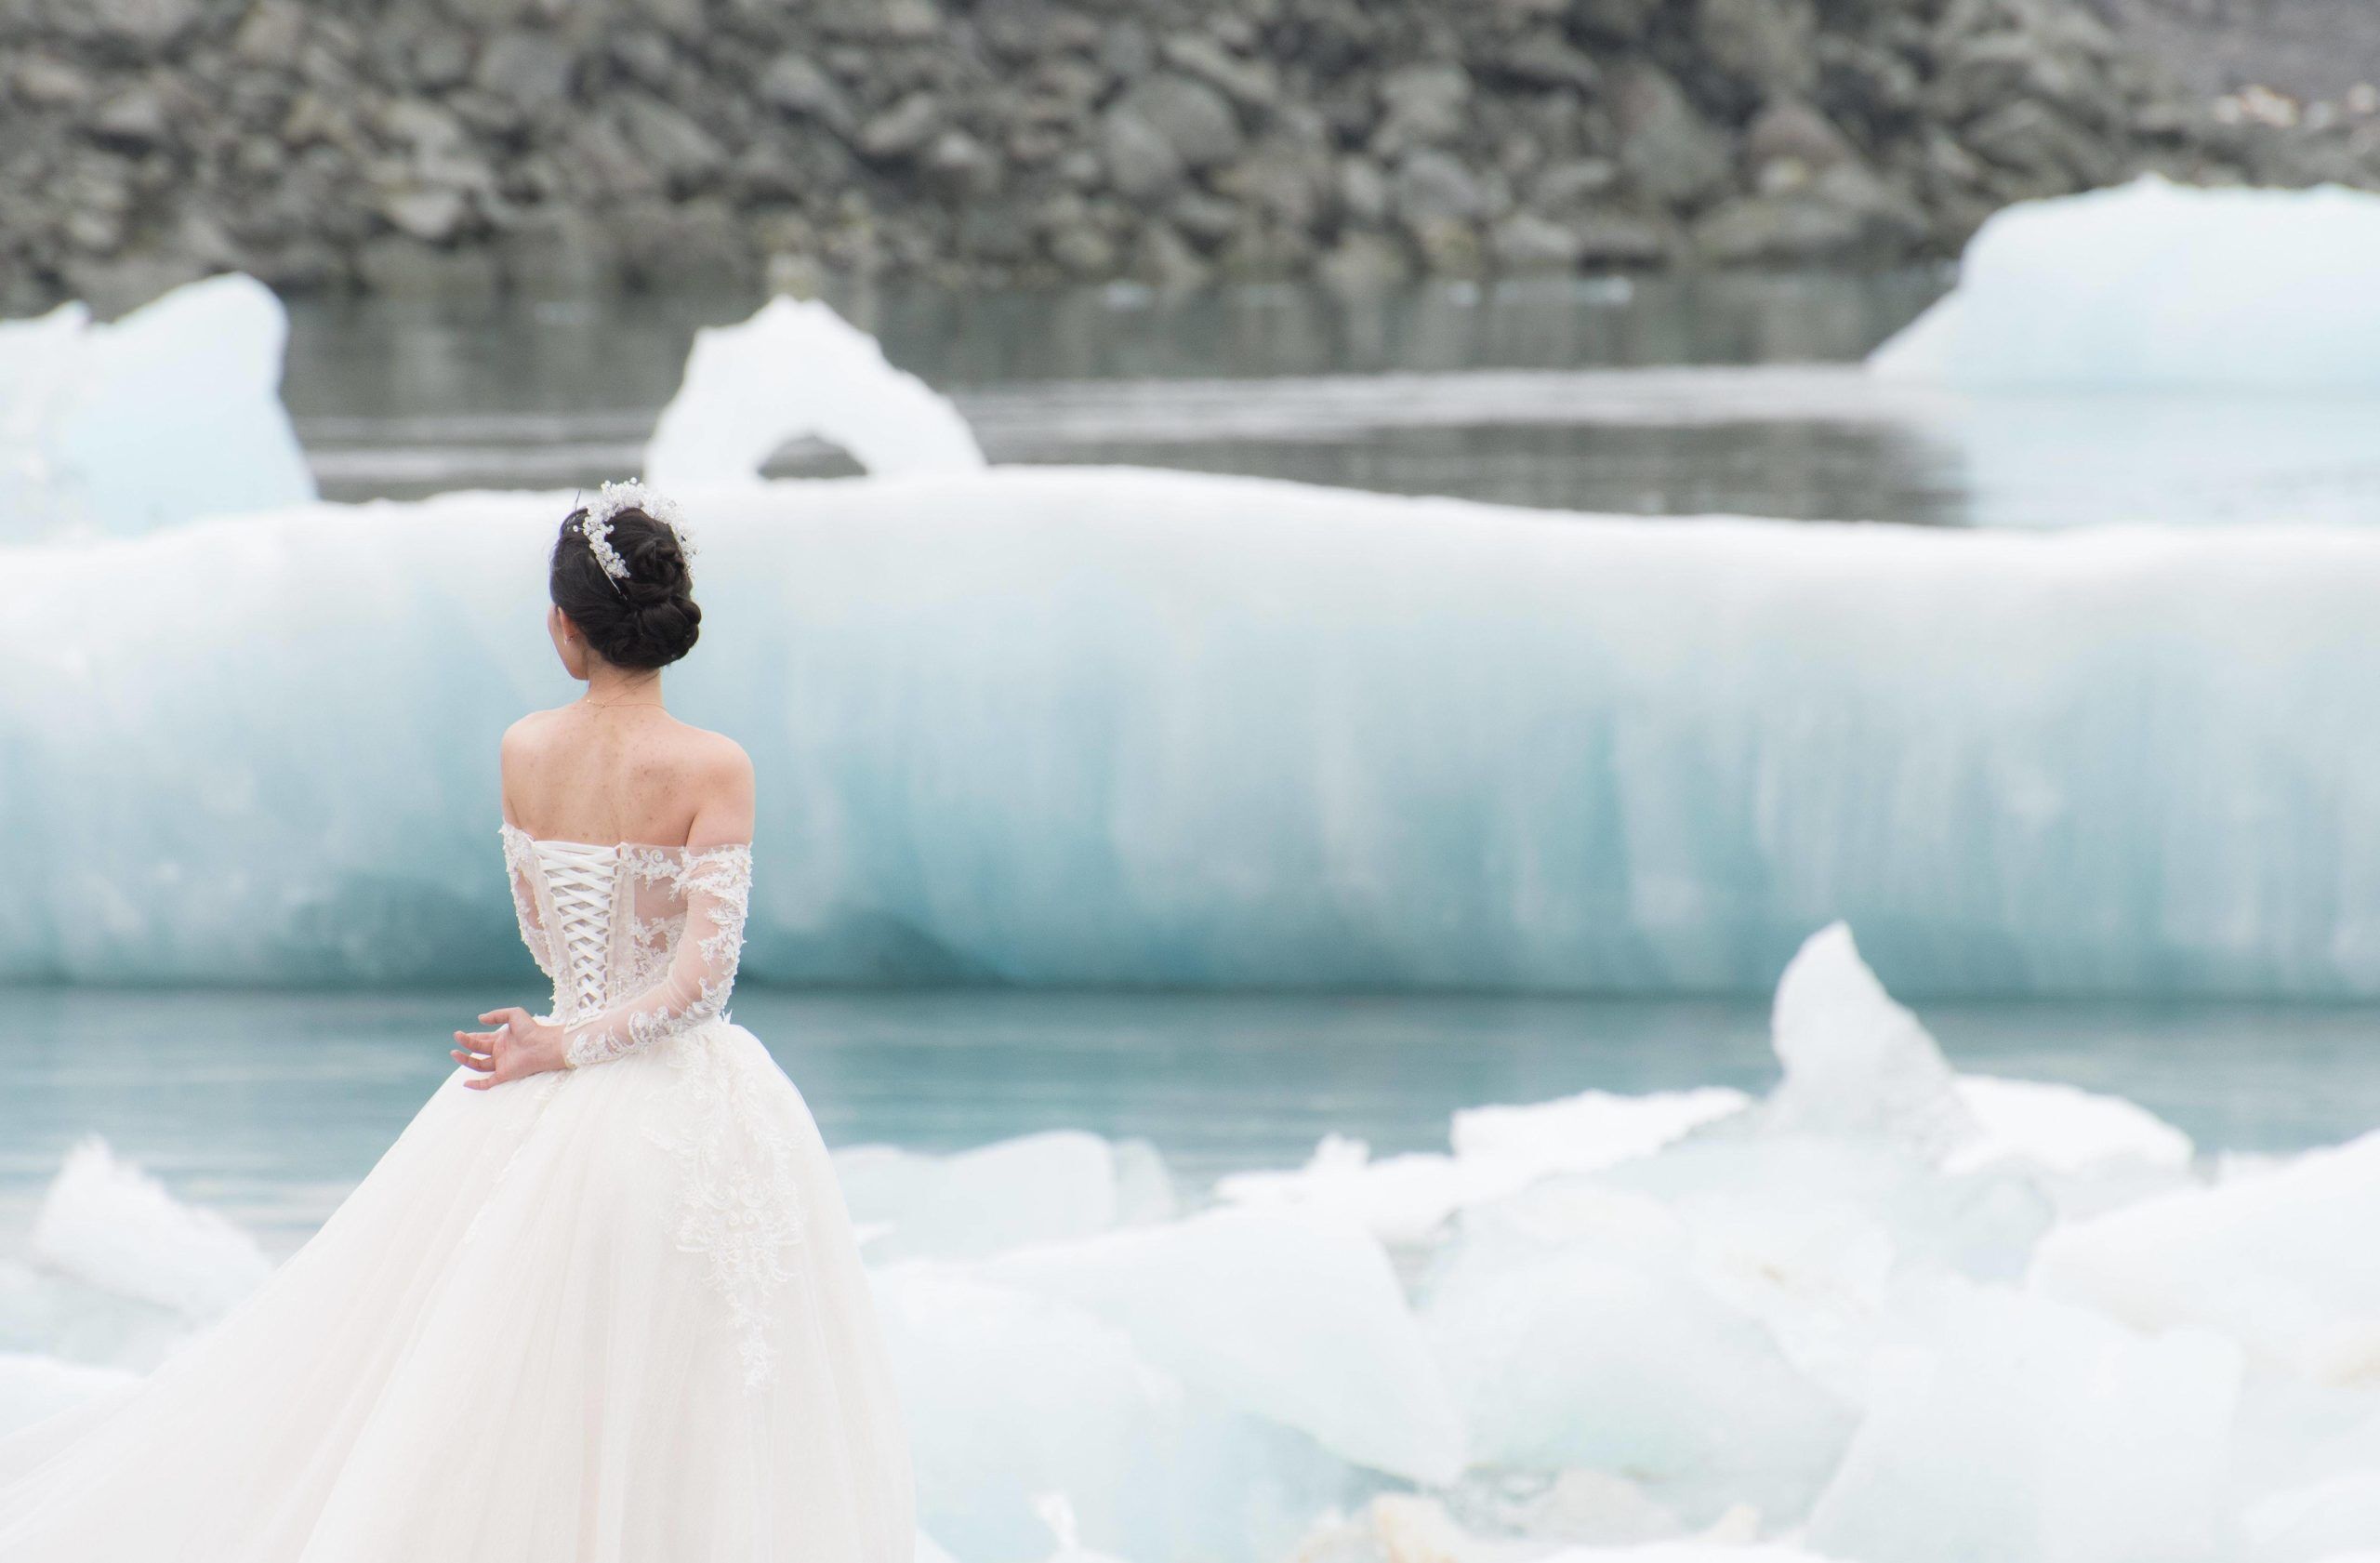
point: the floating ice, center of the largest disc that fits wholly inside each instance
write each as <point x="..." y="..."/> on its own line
<point x="2063" y="1129"/>
<point x="797" y="368"/>
<point x="2030" y="1432"/>
<point x="2157" y="286"/>
<point x="1498" y="1151"/>
<point x="1111" y="727"/>
<point x="2280" y="1260"/>
<point x="1036" y="1189"/>
<point x="109" y="1225"/>
<point x="1578" y="1332"/>
<point x="172" y="412"/>
<point x="1294" y="1318"/>
<point x="1857" y="1064"/>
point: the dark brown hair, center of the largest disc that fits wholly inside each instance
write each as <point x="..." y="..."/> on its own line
<point x="648" y="620"/>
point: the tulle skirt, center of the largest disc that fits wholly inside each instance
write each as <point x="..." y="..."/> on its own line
<point x="612" y="1315"/>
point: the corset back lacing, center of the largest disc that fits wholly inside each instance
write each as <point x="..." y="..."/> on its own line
<point x="581" y="879"/>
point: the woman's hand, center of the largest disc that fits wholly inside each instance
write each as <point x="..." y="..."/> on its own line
<point x="521" y="1045"/>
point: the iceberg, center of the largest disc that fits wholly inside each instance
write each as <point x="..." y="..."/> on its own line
<point x="2156" y="286"/>
<point x="1036" y="1189"/>
<point x="2277" y="1260"/>
<point x="110" y="1225"/>
<point x="798" y="369"/>
<point x="1114" y="727"/>
<point x="172" y="412"/>
<point x="2032" y="1431"/>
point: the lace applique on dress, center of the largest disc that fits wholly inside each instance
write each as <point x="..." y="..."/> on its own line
<point x="741" y="1209"/>
<point x="643" y="943"/>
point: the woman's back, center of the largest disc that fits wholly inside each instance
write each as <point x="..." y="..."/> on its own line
<point x="603" y="773"/>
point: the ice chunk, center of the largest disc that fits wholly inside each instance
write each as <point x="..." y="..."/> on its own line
<point x="1009" y="1396"/>
<point x="2281" y="1259"/>
<point x="1291" y="1318"/>
<point x="1577" y="1331"/>
<point x="1034" y="1188"/>
<point x="1498" y="1150"/>
<point x="1856" y="1063"/>
<point x="172" y="412"/>
<point x="798" y="368"/>
<point x="1400" y="1200"/>
<point x="2161" y="287"/>
<point x="2032" y="1431"/>
<point x="2321" y="1521"/>
<point x="2063" y="1129"/>
<point x="1592" y="1130"/>
<point x="109" y="1225"/>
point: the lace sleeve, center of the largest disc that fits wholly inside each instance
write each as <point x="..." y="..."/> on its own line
<point x="521" y="868"/>
<point x="701" y="972"/>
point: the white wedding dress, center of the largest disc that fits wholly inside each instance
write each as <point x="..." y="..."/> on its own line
<point x="610" y="1315"/>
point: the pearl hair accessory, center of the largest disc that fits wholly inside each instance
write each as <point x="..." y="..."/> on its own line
<point x="628" y="494"/>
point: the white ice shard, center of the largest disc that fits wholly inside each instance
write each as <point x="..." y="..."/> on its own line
<point x="2063" y="1129"/>
<point x="1577" y="1331"/>
<point x="1498" y="1151"/>
<point x="1857" y="1064"/>
<point x="1590" y="1131"/>
<point x="1053" y="726"/>
<point x="172" y="412"/>
<point x="1010" y="1395"/>
<point x="1291" y="1318"/>
<point x="2159" y="286"/>
<point x="2282" y="1260"/>
<point x="2032" y="1431"/>
<point x="796" y="369"/>
<point x="1034" y="1188"/>
<point x="109" y="1225"/>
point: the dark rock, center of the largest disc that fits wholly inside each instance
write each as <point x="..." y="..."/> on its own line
<point x="1526" y="241"/>
<point x="534" y="70"/>
<point x="1363" y="262"/>
<point x="1141" y="162"/>
<point x="1766" y="43"/>
<point x="1422" y="106"/>
<point x="1667" y="148"/>
<point x="1253" y="83"/>
<point x="903" y="129"/>
<point x="1611" y="239"/>
<point x="1195" y="120"/>
<point x="794" y="84"/>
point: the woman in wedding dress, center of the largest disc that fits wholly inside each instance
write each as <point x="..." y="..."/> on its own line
<point x="601" y="1302"/>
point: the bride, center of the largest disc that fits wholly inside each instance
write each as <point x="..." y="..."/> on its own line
<point x="601" y="1302"/>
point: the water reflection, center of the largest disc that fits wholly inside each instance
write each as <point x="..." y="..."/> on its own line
<point x="405" y="398"/>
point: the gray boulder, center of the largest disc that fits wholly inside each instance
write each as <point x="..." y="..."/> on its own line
<point x="1141" y="162"/>
<point x="1195" y="120"/>
<point x="1766" y="43"/>
<point x="1526" y="241"/>
<point x="1667" y="148"/>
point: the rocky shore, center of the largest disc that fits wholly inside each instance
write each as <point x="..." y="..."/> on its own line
<point x="555" y="146"/>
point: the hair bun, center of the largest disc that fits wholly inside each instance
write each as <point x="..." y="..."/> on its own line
<point x="648" y="620"/>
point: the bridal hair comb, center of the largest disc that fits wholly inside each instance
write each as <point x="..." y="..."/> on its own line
<point x="629" y="494"/>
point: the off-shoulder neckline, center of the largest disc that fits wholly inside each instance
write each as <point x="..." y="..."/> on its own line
<point x="509" y="829"/>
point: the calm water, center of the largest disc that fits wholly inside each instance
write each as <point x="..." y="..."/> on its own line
<point x="1518" y="392"/>
<point x="1668" y="396"/>
<point x="268" y="1107"/>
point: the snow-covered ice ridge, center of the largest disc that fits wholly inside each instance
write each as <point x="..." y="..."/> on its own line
<point x="1115" y="726"/>
<point x="1884" y="1314"/>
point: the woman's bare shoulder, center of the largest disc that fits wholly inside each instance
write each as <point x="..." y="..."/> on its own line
<point x="713" y="757"/>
